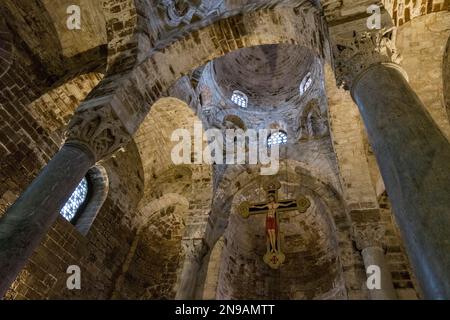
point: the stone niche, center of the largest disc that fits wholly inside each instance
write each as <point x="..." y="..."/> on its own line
<point x="311" y="269"/>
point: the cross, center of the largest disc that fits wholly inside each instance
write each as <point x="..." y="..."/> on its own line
<point x="271" y="208"/>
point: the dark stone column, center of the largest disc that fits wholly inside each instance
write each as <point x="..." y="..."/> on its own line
<point x="93" y="134"/>
<point x="27" y="221"/>
<point x="411" y="151"/>
<point x="414" y="159"/>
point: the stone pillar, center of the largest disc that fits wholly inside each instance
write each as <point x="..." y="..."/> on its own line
<point x="368" y="238"/>
<point x="93" y="134"/>
<point x="194" y="251"/>
<point x="411" y="151"/>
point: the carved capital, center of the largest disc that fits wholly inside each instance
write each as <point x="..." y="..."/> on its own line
<point x="368" y="235"/>
<point x="99" y="130"/>
<point x="354" y="56"/>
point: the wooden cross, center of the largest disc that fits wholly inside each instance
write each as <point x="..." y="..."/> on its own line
<point x="271" y="208"/>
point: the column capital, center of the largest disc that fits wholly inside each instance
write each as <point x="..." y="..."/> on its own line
<point x="355" y="55"/>
<point x="368" y="235"/>
<point x="98" y="130"/>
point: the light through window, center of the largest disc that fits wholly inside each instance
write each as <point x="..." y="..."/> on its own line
<point x="306" y="83"/>
<point x="279" y="137"/>
<point x="239" y="98"/>
<point x="76" y="200"/>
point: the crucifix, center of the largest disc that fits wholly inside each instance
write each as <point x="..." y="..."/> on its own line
<point x="271" y="208"/>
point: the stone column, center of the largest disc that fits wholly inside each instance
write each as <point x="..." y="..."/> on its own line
<point x="194" y="250"/>
<point x="93" y="134"/>
<point x="368" y="238"/>
<point x="411" y="151"/>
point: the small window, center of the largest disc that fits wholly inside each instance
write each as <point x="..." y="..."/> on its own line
<point x="240" y="99"/>
<point x="306" y="83"/>
<point x="76" y="201"/>
<point x="279" y="137"/>
<point x="87" y="199"/>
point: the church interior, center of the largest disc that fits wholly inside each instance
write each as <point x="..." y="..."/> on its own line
<point x="355" y="95"/>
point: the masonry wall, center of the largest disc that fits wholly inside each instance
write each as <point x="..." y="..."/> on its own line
<point x="34" y="111"/>
<point x="423" y="42"/>
<point x="100" y="254"/>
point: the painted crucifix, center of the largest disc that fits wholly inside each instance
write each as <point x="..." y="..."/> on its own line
<point x="271" y="208"/>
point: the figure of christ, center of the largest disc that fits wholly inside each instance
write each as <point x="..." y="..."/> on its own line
<point x="271" y="220"/>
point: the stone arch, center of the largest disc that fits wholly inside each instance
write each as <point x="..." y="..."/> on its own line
<point x="41" y="25"/>
<point x="403" y="11"/>
<point x="240" y="175"/>
<point x="208" y="288"/>
<point x="42" y="120"/>
<point x="153" y="265"/>
<point x="146" y="83"/>
<point x="125" y="29"/>
<point x="176" y="179"/>
<point x="6" y="54"/>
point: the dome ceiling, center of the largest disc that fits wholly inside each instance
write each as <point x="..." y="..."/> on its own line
<point x="269" y="75"/>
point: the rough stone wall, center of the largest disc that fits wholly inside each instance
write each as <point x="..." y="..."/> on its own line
<point x="422" y="42"/>
<point x="100" y="254"/>
<point x="32" y="132"/>
<point x="446" y="78"/>
<point x="310" y="269"/>
<point x="346" y="129"/>
<point x="359" y="175"/>
<point x="163" y="67"/>
<point x="42" y="25"/>
<point x="208" y="290"/>
<point x="244" y="248"/>
<point x="402" y="276"/>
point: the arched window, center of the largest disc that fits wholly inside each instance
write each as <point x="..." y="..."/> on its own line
<point x="87" y="199"/>
<point x="306" y="83"/>
<point x="279" y="137"/>
<point x="239" y="98"/>
<point x="76" y="201"/>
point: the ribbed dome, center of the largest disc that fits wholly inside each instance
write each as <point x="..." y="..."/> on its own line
<point x="269" y="75"/>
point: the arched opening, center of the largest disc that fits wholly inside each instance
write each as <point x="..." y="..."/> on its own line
<point x="87" y="199"/>
<point x="277" y="138"/>
<point x="312" y="241"/>
<point x="155" y="259"/>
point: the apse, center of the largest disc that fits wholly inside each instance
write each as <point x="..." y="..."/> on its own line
<point x="311" y="269"/>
